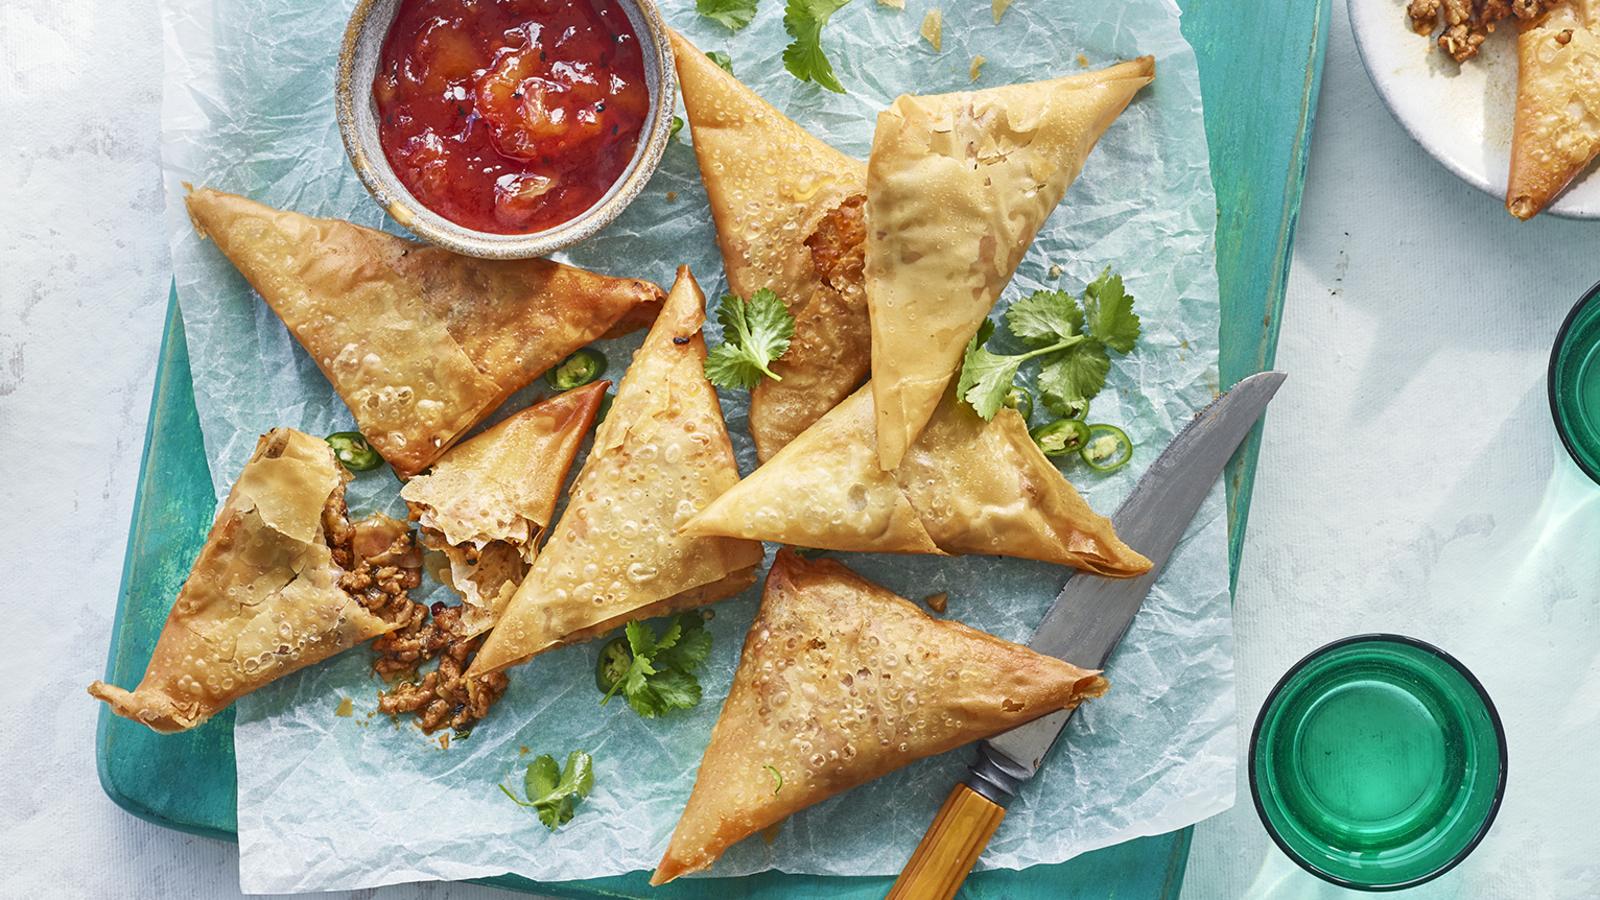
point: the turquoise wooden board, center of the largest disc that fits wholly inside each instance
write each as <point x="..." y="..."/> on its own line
<point x="1259" y="69"/>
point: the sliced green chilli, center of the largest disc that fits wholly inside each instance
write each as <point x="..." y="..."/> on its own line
<point x="615" y="658"/>
<point x="577" y="370"/>
<point x="353" y="451"/>
<point x="1061" y="437"/>
<point x="1108" y="448"/>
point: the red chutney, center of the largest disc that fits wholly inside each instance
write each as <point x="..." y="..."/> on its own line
<point x="510" y="116"/>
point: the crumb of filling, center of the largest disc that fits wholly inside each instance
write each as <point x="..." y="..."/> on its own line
<point x="1467" y="23"/>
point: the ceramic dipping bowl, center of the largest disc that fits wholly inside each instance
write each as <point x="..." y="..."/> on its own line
<point x="358" y="124"/>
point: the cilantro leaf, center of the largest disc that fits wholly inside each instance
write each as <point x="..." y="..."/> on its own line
<point x="804" y="57"/>
<point x="985" y="378"/>
<point x="967" y="377"/>
<point x="735" y="14"/>
<point x="660" y="675"/>
<point x="675" y="127"/>
<point x="755" y="332"/>
<point x="641" y="639"/>
<point x="577" y="776"/>
<point x="1077" y="373"/>
<point x="676" y="689"/>
<point x="1110" y="310"/>
<point x="692" y="649"/>
<point x="555" y="791"/>
<point x="542" y="777"/>
<point x="1044" y="317"/>
<point x="723" y="60"/>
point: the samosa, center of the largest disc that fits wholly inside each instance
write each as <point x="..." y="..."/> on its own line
<point x="965" y="486"/>
<point x="269" y="592"/>
<point x="419" y="342"/>
<point x="1557" y="130"/>
<point x="489" y="500"/>
<point x="790" y="216"/>
<point x="661" y="455"/>
<point x="958" y="185"/>
<point x="840" y="682"/>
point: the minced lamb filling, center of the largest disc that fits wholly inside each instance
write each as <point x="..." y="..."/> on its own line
<point x="1467" y="23"/>
<point x="839" y="244"/>
<point x="382" y="564"/>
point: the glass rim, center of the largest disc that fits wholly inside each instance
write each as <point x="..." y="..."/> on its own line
<point x="1494" y="718"/>
<point x="1590" y="296"/>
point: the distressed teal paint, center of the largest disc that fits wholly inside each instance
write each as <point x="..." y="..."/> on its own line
<point x="1260" y="67"/>
<point x="1260" y="70"/>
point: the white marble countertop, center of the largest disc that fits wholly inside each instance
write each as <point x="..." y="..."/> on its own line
<point x="1410" y="479"/>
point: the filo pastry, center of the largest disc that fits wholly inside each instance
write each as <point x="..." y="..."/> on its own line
<point x="840" y="682"/>
<point x="265" y="596"/>
<point x="1557" y="125"/>
<point x="661" y="455"/>
<point x="964" y="486"/>
<point x="488" y="502"/>
<point x="419" y="342"/>
<point x="958" y="185"/>
<point x="790" y="213"/>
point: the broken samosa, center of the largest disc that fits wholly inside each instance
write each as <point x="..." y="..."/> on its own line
<point x="957" y="187"/>
<point x="965" y="486"/>
<point x="419" y="342"/>
<point x="661" y="456"/>
<point x="271" y="591"/>
<point x="790" y="217"/>
<point x="1557" y="131"/>
<point x="840" y="682"/>
<point x="488" y="501"/>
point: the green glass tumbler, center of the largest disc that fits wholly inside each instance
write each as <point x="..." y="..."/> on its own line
<point x="1574" y="382"/>
<point x="1378" y="762"/>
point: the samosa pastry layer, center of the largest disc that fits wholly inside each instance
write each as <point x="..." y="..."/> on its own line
<point x="958" y="185"/>
<point x="1557" y="131"/>
<point x="965" y="486"/>
<point x="841" y="682"/>
<point x="490" y="499"/>
<point x="266" y="595"/>
<point x="419" y="342"/>
<point x="790" y="213"/>
<point x="661" y="455"/>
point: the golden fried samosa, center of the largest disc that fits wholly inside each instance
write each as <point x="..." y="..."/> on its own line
<point x="265" y="596"/>
<point x="965" y="486"/>
<point x="661" y="455"/>
<point x="957" y="187"/>
<point x="790" y="217"/>
<point x="487" y="502"/>
<point x="419" y="342"/>
<point x="1557" y="130"/>
<point x="815" y="710"/>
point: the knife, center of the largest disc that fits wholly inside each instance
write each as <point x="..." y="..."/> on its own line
<point x="1084" y="626"/>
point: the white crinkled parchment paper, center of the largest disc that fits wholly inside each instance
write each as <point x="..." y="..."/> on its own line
<point x="329" y="802"/>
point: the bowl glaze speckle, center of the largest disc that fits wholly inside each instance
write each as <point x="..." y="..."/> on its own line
<point x="358" y="125"/>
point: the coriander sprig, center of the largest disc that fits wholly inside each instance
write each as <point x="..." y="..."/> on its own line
<point x="804" y="57"/>
<point x="1069" y="339"/>
<point x="660" y="673"/>
<point x="754" y="333"/>
<point x="555" y="791"/>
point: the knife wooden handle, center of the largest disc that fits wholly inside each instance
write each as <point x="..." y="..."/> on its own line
<point x="949" y="849"/>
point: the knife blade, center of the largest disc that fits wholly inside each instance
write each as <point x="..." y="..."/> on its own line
<point x="1084" y="626"/>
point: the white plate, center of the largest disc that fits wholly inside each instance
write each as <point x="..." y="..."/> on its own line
<point x="1461" y="115"/>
